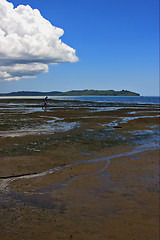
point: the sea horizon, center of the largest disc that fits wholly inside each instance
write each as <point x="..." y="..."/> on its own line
<point x="109" y="99"/>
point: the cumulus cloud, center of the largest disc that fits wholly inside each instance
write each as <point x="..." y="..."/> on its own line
<point x="28" y="43"/>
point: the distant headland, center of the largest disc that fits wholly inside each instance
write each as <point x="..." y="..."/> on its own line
<point x="85" y="92"/>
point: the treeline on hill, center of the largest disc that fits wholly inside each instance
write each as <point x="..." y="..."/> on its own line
<point x="85" y="92"/>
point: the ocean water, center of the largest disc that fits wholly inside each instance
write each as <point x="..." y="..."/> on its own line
<point x="105" y="99"/>
<point x="113" y="99"/>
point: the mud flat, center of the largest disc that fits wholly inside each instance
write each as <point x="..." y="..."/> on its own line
<point x="79" y="170"/>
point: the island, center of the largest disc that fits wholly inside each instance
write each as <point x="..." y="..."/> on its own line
<point x="85" y="92"/>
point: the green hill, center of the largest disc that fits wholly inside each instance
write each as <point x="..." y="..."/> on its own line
<point x="99" y="93"/>
<point x="85" y="92"/>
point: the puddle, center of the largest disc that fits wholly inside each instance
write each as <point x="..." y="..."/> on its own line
<point x="86" y="154"/>
<point x="121" y="120"/>
<point x="90" y="130"/>
<point x="48" y="128"/>
<point x="141" y="112"/>
<point x="126" y="119"/>
<point x="134" y="158"/>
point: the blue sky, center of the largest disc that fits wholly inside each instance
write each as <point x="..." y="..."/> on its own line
<point x="116" y="42"/>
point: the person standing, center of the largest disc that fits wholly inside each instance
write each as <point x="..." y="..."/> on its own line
<point x="45" y="103"/>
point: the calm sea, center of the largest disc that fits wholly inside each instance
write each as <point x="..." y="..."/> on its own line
<point x="115" y="99"/>
<point x="107" y="99"/>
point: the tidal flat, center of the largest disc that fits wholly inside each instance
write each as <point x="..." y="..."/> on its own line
<point x="79" y="170"/>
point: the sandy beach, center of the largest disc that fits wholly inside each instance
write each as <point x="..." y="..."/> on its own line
<point x="79" y="170"/>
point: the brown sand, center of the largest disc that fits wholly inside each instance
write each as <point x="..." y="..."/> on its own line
<point x="80" y="201"/>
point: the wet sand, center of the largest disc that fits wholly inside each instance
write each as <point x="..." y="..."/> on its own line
<point x="95" y="179"/>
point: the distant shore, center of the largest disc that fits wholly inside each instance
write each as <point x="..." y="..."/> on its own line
<point x="85" y="92"/>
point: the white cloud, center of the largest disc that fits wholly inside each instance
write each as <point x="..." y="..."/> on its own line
<point x="28" y="43"/>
